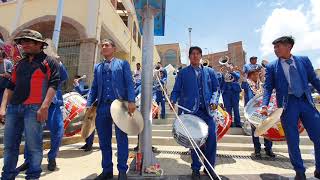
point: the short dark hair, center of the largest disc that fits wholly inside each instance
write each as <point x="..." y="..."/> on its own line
<point x="110" y="41"/>
<point x="284" y="40"/>
<point x="138" y="64"/>
<point x="195" y="48"/>
<point x="253" y="57"/>
<point x="159" y="63"/>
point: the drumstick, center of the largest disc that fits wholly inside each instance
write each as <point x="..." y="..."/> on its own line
<point x="183" y="108"/>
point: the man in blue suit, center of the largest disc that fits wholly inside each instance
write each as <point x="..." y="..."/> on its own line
<point x="290" y="75"/>
<point x="160" y="98"/>
<point x="196" y="89"/>
<point x="112" y="80"/>
<point x="54" y="124"/>
<point x="231" y="96"/>
<point x="79" y="87"/>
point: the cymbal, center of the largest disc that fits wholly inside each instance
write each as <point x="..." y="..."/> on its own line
<point x="268" y="123"/>
<point x="132" y="125"/>
<point x="88" y="122"/>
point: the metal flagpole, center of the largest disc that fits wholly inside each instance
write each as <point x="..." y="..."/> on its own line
<point x="17" y="18"/>
<point x="145" y="142"/>
<point x="57" y="25"/>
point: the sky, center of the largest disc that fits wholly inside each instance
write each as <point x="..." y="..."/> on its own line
<point x="256" y="23"/>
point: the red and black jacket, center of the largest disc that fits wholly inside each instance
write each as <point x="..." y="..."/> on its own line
<point x="31" y="79"/>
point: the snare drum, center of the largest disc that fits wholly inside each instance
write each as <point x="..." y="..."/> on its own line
<point x="73" y="113"/>
<point x="196" y="127"/>
<point x="223" y="122"/>
<point x="252" y="113"/>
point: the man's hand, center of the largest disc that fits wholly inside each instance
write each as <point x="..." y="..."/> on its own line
<point x="214" y="106"/>
<point x="131" y="107"/>
<point x="76" y="82"/>
<point x="42" y="114"/>
<point x="173" y="106"/>
<point x="2" y="115"/>
<point x="264" y="111"/>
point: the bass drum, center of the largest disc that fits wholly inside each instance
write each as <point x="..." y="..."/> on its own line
<point x="252" y="114"/>
<point x="223" y="122"/>
<point x="73" y="113"/>
<point x="197" y="128"/>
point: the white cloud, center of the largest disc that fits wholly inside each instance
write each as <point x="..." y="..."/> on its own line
<point x="304" y="27"/>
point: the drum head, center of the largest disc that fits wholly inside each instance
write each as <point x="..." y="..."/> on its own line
<point x="196" y="127"/>
<point x="253" y="107"/>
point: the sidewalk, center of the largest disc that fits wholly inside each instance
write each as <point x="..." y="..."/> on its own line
<point x="74" y="164"/>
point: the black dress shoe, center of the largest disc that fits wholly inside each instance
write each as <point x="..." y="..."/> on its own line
<point x="122" y="176"/>
<point x="317" y="174"/>
<point x="88" y="148"/>
<point x="104" y="176"/>
<point x="300" y="176"/>
<point x="257" y="154"/>
<point x="195" y="175"/>
<point x="23" y="167"/>
<point x="270" y="154"/>
<point x="84" y="146"/>
<point x="212" y="175"/>
<point x="52" y="164"/>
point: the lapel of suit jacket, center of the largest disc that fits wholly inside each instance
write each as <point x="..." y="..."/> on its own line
<point x="300" y="68"/>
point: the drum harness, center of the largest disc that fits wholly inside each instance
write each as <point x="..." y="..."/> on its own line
<point x="193" y="143"/>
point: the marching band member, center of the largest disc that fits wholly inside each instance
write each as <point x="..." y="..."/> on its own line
<point x="253" y="64"/>
<point x="79" y="87"/>
<point x="231" y="96"/>
<point x="290" y="75"/>
<point x="28" y="105"/>
<point x="195" y="88"/>
<point x="252" y="87"/>
<point x="160" y="98"/>
<point x="112" y="80"/>
<point x="159" y="66"/>
<point x="5" y="70"/>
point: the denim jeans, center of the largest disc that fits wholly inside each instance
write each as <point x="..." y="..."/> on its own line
<point x="22" y="118"/>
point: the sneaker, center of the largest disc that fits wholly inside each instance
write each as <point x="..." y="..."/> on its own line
<point x="23" y="167"/>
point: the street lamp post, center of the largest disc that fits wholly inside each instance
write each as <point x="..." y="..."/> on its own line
<point x="189" y="29"/>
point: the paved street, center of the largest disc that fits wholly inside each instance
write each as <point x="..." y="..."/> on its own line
<point x="74" y="164"/>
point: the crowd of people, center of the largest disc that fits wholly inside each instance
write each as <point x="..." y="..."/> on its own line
<point x="31" y="96"/>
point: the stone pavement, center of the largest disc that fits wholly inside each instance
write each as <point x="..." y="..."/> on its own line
<point x="74" y="164"/>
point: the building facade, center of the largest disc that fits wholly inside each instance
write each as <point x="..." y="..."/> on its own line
<point x="169" y="54"/>
<point x="84" y="24"/>
<point x="235" y="52"/>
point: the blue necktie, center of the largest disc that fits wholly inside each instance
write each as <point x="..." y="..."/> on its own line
<point x="295" y="80"/>
<point x="106" y="66"/>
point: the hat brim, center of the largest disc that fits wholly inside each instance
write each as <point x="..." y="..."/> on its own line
<point x="17" y="39"/>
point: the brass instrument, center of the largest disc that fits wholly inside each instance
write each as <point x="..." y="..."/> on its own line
<point x="226" y="69"/>
<point x="205" y="62"/>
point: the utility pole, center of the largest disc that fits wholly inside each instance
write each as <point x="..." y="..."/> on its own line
<point x="57" y="25"/>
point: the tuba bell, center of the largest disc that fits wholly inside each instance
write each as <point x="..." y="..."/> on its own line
<point x="205" y="62"/>
<point x="226" y="69"/>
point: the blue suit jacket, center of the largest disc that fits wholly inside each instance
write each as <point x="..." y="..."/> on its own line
<point x="275" y="79"/>
<point x="122" y="82"/>
<point x="248" y="93"/>
<point x="58" y="99"/>
<point x="186" y="90"/>
<point x="231" y="86"/>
